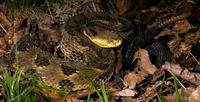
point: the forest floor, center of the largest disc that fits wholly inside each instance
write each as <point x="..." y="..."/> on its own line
<point x="176" y="80"/>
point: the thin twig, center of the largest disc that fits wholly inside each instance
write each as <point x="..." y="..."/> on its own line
<point x="177" y="80"/>
<point x="94" y="7"/>
<point x="3" y="29"/>
<point x="194" y="57"/>
<point x="49" y="9"/>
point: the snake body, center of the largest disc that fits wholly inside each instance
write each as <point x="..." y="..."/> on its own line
<point x="83" y="58"/>
<point x="65" y="74"/>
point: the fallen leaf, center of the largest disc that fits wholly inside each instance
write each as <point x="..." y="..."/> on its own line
<point x="182" y="26"/>
<point x="123" y="6"/>
<point x="81" y="94"/>
<point x="195" y="95"/>
<point x="146" y="67"/>
<point x="3" y="46"/>
<point x="76" y="100"/>
<point x="182" y="72"/>
<point x="5" y="20"/>
<point x="68" y="99"/>
<point x="126" y="92"/>
<point x="163" y="33"/>
<point x="49" y="36"/>
<point x="183" y="94"/>
<point x="128" y="99"/>
<point x="144" y="63"/>
<point x="132" y="78"/>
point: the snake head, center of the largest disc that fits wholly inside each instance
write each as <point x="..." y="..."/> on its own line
<point x="102" y="37"/>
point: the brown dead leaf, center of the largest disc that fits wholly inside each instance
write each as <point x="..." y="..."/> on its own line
<point x="75" y="100"/>
<point x="157" y="75"/>
<point x="164" y="32"/>
<point x="127" y="99"/>
<point x="134" y="7"/>
<point x="184" y="45"/>
<point x="5" y="20"/>
<point x="195" y="95"/>
<point x="145" y="66"/>
<point x="183" y="94"/>
<point x="2" y="90"/>
<point x="123" y="6"/>
<point x="125" y="93"/>
<point x="151" y="90"/>
<point x="182" y="72"/>
<point x="197" y="68"/>
<point x="4" y="45"/>
<point x="170" y="98"/>
<point x="68" y="99"/>
<point x="144" y="63"/>
<point x="81" y="94"/>
<point x="182" y="26"/>
<point x="49" y="36"/>
<point x="71" y="99"/>
<point x="132" y="78"/>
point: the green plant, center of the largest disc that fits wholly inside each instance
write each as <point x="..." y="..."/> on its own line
<point x="102" y="94"/>
<point x="160" y="95"/>
<point x="176" y="88"/>
<point x="13" y="90"/>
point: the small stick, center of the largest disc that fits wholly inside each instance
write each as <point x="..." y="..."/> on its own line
<point x="194" y="57"/>
<point x="3" y="29"/>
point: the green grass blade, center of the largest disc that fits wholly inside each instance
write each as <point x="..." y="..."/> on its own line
<point x="104" y="92"/>
<point x="176" y="88"/>
<point x="93" y="88"/>
<point x="88" y="97"/>
<point x="160" y="96"/>
<point x="14" y="91"/>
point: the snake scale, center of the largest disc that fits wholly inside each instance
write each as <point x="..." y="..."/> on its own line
<point x="84" y="59"/>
